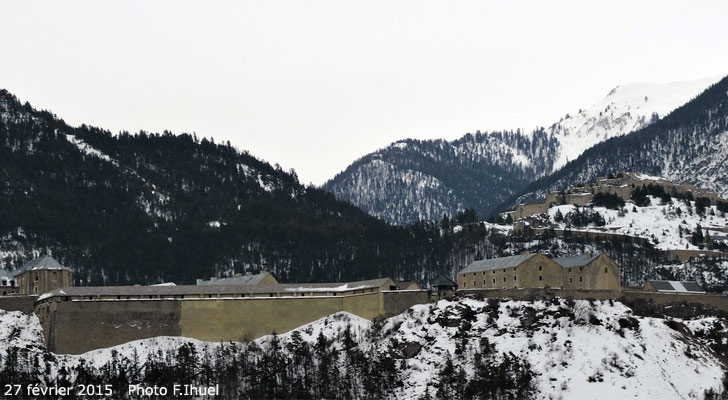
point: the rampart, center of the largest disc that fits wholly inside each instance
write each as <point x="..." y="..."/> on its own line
<point x="712" y="301"/>
<point x="18" y="303"/>
<point x="77" y="326"/>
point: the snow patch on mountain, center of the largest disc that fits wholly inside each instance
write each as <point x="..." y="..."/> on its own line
<point x="89" y="150"/>
<point x="625" y="109"/>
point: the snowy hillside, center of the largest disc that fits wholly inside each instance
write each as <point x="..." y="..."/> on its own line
<point x="451" y="349"/>
<point x="588" y="350"/>
<point x="412" y="179"/>
<point x="625" y="109"/>
<point x="667" y="226"/>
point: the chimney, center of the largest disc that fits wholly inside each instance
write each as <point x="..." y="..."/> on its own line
<point x="198" y="282"/>
<point x="588" y="254"/>
<point x="213" y="278"/>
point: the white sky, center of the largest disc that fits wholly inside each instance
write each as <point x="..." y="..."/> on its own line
<point x="313" y="85"/>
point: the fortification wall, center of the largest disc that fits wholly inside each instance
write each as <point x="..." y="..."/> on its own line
<point x="714" y="301"/>
<point x="685" y="255"/>
<point x="395" y="302"/>
<point x="250" y="318"/>
<point x="75" y="327"/>
<point x="18" y="303"/>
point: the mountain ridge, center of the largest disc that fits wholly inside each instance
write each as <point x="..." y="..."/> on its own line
<point x="411" y="179"/>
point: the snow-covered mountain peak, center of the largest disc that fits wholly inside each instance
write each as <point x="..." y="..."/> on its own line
<point x="625" y="109"/>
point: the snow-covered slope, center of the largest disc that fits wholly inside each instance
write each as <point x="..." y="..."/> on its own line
<point x="625" y="109"/>
<point x="667" y="226"/>
<point x="559" y="349"/>
<point x="584" y="351"/>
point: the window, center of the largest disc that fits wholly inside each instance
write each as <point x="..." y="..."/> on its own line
<point x="504" y="279"/>
<point x="581" y="279"/>
<point x="36" y="276"/>
<point x="571" y="280"/>
<point x="540" y="267"/>
<point x="465" y="284"/>
<point x="540" y="278"/>
<point x="605" y="270"/>
<point x="473" y="283"/>
<point x="494" y="271"/>
<point x="514" y="278"/>
<point x="473" y="273"/>
<point x="54" y="275"/>
<point x="36" y="289"/>
<point x="483" y="282"/>
<point x="571" y="270"/>
<point x="494" y="281"/>
<point x="581" y="269"/>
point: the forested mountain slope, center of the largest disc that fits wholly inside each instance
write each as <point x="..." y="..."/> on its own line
<point x="145" y="208"/>
<point x="412" y="179"/>
<point x="690" y="145"/>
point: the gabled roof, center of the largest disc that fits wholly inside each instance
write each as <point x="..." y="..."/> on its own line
<point x="496" y="263"/>
<point x="252" y="279"/>
<point x="45" y="262"/>
<point x="576" y="261"/>
<point x="676" y="286"/>
<point x="442" y="280"/>
<point x="406" y="284"/>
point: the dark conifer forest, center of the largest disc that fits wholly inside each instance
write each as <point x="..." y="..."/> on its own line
<point x="147" y="207"/>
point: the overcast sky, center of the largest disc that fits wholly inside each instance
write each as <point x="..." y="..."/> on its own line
<point x="313" y="85"/>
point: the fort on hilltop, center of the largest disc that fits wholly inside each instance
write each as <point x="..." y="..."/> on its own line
<point x="621" y="185"/>
<point x="244" y="307"/>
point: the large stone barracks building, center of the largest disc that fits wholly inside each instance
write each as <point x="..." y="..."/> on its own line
<point x="587" y="271"/>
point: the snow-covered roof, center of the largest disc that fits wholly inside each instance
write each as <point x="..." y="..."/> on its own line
<point x="676" y="286"/>
<point x="576" y="261"/>
<point x="45" y="262"/>
<point x="248" y="279"/>
<point x="496" y="263"/>
<point x="222" y="290"/>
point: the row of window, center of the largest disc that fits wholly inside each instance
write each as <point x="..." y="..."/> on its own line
<point x="540" y="278"/>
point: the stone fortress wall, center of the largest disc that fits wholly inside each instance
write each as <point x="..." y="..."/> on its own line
<point x="77" y="325"/>
<point x="622" y="185"/>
